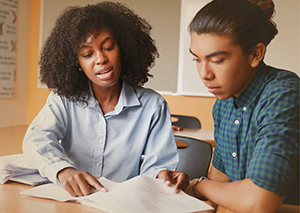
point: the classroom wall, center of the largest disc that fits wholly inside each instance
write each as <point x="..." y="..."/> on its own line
<point x="29" y="99"/>
<point x="36" y="96"/>
<point x="200" y="107"/>
<point x="14" y="110"/>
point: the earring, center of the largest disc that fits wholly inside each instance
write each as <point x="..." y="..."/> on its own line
<point x="80" y="69"/>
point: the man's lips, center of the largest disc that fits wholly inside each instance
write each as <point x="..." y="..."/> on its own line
<point x="213" y="89"/>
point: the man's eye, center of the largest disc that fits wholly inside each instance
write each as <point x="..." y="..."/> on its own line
<point x="218" y="61"/>
<point x="196" y="59"/>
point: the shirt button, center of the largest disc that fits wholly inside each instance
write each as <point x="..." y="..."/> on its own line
<point x="236" y="122"/>
<point x="244" y="108"/>
<point x="233" y="154"/>
<point x="98" y="164"/>
<point x="101" y="141"/>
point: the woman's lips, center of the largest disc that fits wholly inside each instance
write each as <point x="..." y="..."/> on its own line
<point x="105" y="74"/>
<point x="104" y="71"/>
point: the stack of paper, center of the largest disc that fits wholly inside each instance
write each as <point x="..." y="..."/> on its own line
<point x="139" y="194"/>
<point x="14" y="167"/>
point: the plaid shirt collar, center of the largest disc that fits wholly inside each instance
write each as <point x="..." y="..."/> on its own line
<point x="254" y="88"/>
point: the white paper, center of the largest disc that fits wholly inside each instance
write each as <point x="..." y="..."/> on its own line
<point x="14" y="165"/>
<point x="30" y="179"/>
<point x="56" y="192"/>
<point x="49" y="191"/>
<point x="139" y="194"/>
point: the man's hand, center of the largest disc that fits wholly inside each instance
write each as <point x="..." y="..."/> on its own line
<point x="189" y="188"/>
<point x="78" y="183"/>
<point x="180" y="179"/>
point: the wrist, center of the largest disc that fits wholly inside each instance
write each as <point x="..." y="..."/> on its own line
<point x="194" y="191"/>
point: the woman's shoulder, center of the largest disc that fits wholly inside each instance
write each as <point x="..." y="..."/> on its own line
<point x="55" y="98"/>
<point x="148" y="94"/>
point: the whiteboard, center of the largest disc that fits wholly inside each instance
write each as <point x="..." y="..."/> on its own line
<point x="283" y="51"/>
<point x="189" y="82"/>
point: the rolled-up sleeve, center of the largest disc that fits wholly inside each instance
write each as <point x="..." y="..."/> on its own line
<point x="160" y="151"/>
<point x="41" y="144"/>
<point x="275" y="160"/>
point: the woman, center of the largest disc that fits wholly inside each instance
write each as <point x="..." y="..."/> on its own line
<point x="98" y="120"/>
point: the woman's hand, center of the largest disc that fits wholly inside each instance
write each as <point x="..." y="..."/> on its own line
<point x="180" y="179"/>
<point x="78" y="183"/>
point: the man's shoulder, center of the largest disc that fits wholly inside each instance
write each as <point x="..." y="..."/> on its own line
<point x="279" y="78"/>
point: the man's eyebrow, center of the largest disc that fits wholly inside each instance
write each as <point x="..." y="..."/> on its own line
<point x="217" y="53"/>
<point x="192" y="53"/>
<point x="211" y="54"/>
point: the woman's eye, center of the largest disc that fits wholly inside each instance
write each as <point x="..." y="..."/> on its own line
<point x="86" y="55"/>
<point x="109" y="48"/>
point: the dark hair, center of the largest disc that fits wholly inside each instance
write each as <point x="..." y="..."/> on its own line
<point x="59" y="66"/>
<point x="246" y="22"/>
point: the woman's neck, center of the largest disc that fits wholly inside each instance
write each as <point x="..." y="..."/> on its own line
<point x="107" y="97"/>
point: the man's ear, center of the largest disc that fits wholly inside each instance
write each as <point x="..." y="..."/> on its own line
<point x="257" y="55"/>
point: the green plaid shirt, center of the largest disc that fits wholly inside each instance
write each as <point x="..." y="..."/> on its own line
<point x="257" y="134"/>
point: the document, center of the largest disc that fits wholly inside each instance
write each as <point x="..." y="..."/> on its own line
<point x="15" y="168"/>
<point x="30" y="179"/>
<point x="139" y="194"/>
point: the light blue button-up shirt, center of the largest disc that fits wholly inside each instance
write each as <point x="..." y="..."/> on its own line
<point x="134" y="139"/>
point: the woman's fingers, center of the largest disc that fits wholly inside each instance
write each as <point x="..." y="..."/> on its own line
<point x="95" y="184"/>
<point x="79" y="183"/>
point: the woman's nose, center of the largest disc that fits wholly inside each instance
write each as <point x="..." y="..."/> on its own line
<point x="101" y="58"/>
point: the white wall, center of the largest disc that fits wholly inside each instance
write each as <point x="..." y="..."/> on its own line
<point x="14" y="110"/>
<point x="282" y="52"/>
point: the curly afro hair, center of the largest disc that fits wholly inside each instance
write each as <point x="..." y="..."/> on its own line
<point x="59" y="66"/>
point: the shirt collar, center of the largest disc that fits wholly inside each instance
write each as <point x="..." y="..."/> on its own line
<point x="254" y="88"/>
<point x="128" y="98"/>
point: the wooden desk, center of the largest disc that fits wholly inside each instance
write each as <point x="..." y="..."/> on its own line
<point x="283" y="209"/>
<point x="12" y="202"/>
